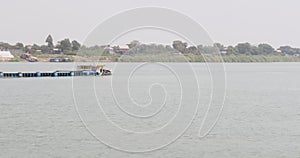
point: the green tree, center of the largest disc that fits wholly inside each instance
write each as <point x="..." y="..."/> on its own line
<point x="180" y="46"/>
<point x="49" y="40"/>
<point x="289" y="50"/>
<point x="193" y="50"/>
<point x="254" y="50"/>
<point x="265" y="49"/>
<point x="35" y="47"/>
<point x="231" y="50"/>
<point x="5" y="46"/>
<point x="75" y="45"/>
<point x="219" y="46"/>
<point x="65" y="45"/>
<point x="45" y="49"/>
<point x="133" y="44"/>
<point x="19" y="45"/>
<point x="244" y="48"/>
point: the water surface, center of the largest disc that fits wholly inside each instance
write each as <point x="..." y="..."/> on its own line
<point x="261" y="115"/>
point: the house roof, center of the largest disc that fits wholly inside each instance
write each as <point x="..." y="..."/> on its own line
<point x="123" y="47"/>
<point x="6" y="54"/>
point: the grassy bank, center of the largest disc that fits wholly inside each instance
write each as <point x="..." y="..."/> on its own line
<point x="260" y="58"/>
<point x="164" y="57"/>
<point x="198" y="58"/>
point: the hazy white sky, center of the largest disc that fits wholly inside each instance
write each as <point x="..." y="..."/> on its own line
<point x="227" y="21"/>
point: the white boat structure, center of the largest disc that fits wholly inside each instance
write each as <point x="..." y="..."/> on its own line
<point x="82" y="70"/>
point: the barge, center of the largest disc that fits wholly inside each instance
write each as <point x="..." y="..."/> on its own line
<point x="82" y="70"/>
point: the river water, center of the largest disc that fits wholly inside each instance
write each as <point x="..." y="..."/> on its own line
<point x="152" y="110"/>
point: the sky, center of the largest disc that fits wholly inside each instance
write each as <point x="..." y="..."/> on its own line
<point x="226" y="21"/>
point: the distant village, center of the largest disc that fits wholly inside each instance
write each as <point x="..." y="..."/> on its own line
<point x="63" y="51"/>
<point x="66" y="50"/>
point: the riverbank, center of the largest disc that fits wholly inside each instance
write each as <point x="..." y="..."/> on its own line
<point x="165" y="57"/>
<point x="200" y="58"/>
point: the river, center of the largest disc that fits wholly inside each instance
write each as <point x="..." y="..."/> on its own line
<point x="152" y="110"/>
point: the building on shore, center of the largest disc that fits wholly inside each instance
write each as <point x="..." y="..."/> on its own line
<point x="109" y="50"/>
<point x="123" y="49"/>
<point x="5" y="55"/>
<point x="119" y="49"/>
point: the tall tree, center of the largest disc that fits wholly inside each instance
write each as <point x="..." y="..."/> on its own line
<point x="180" y="46"/>
<point x="133" y="44"/>
<point x="75" y="45"/>
<point x="65" y="45"/>
<point x="265" y="49"/>
<point x="19" y="45"/>
<point x="244" y="48"/>
<point x="49" y="40"/>
<point x="193" y="50"/>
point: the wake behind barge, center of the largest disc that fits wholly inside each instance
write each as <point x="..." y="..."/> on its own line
<point x="82" y="70"/>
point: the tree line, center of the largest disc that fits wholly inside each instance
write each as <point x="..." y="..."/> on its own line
<point x="63" y="46"/>
<point x="68" y="47"/>
<point x="241" y="48"/>
<point x="183" y="47"/>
